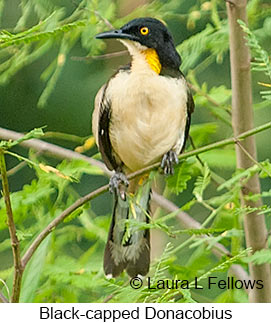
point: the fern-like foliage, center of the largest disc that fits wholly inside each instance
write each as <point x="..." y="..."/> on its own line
<point x="56" y="27"/>
<point x="202" y="182"/>
<point x="259" y="257"/>
<point x="261" y="58"/>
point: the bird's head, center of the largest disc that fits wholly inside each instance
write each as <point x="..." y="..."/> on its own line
<point x="151" y="37"/>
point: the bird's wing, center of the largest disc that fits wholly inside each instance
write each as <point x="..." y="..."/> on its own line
<point x="190" y="109"/>
<point x="189" y="104"/>
<point x="100" y="128"/>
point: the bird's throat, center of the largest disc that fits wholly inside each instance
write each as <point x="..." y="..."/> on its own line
<point x="142" y="55"/>
<point x="153" y="60"/>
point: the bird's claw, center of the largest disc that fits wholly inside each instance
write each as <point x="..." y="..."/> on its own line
<point x="168" y="161"/>
<point x="116" y="181"/>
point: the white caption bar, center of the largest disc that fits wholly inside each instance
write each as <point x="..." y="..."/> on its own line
<point x="119" y="313"/>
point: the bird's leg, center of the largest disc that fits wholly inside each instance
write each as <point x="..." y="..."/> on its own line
<point x="116" y="183"/>
<point x="168" y="161"/>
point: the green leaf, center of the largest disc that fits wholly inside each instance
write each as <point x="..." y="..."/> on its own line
<point x="183" y="173"/>
<point x="42" y="35"/>
<point x="259" y="257"/>
<point x="232" y="296"/>
<point x="187" y="206"/>
<point x="190" y="48"/>
<point x="199" y="259"/>
<point x="199" y="231"/>
<point x="26" y="202"/>
<point x="187" y="297"/>
<point x="239" y="175"/>
<point x="220" y="95"/>
<point x="35" y="133"/>
<point x="202" y="182"/>
<point x="33" y="272"/>
<point x="225" y="265"/>
<point x="266" y="169"/>
<point x="76" y="168"/>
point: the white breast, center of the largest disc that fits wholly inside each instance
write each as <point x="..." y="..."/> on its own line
<point x="148" y="116"/>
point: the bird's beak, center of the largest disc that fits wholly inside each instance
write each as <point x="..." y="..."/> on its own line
<point x="117" y="34"/>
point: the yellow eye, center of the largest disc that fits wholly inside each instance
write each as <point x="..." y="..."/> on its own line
<point x="144" y="31"/>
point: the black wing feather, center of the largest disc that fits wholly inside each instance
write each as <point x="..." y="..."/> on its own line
<point x="190" y="109"/>
<point x="104" y="142"/>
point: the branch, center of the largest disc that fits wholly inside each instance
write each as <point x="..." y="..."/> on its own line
<point x="63" y="153"/>
<point x="50" y="149"/>
<point x="188" y="222"/>
<point x="17" y="279"/>
<point x="15" y="169"/>
<point x="56" y="151"/>
<point x="104" y="56"/>
<point x="242" y="120"/>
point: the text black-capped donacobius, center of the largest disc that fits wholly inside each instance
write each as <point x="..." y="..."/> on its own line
<point x="141" y="116"/>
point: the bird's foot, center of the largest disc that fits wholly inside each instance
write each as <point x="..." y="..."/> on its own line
<point x="168" y="161"/>
<point x="116" y="183"/>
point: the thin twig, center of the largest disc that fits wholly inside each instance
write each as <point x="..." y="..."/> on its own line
<point x="215" y="178"/>
<point x="207" y="96"/>
<point x="12" y="231"/>
<point x="252" y="159"/>
<point x="51" y="150"/>
<point x="104" y="56"/>
<point x="107" y="22"/>
<point x="64" y="136"/>
<point x="104" y="188"/>
<point x="15" y="169"/>
<point x="52" y="225"/>
<point x="108" y="298"/>
<point x="194" y="147"/>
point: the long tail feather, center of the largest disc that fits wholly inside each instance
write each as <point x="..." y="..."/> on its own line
<point x="125" y="248"/>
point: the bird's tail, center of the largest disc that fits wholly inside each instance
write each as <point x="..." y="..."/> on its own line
<point x="128" y="244"/>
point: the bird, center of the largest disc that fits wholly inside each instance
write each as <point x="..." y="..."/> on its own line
<point x="142" y="115"/>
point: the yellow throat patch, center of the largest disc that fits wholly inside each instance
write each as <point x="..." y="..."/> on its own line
<point x="153" y="60"/>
